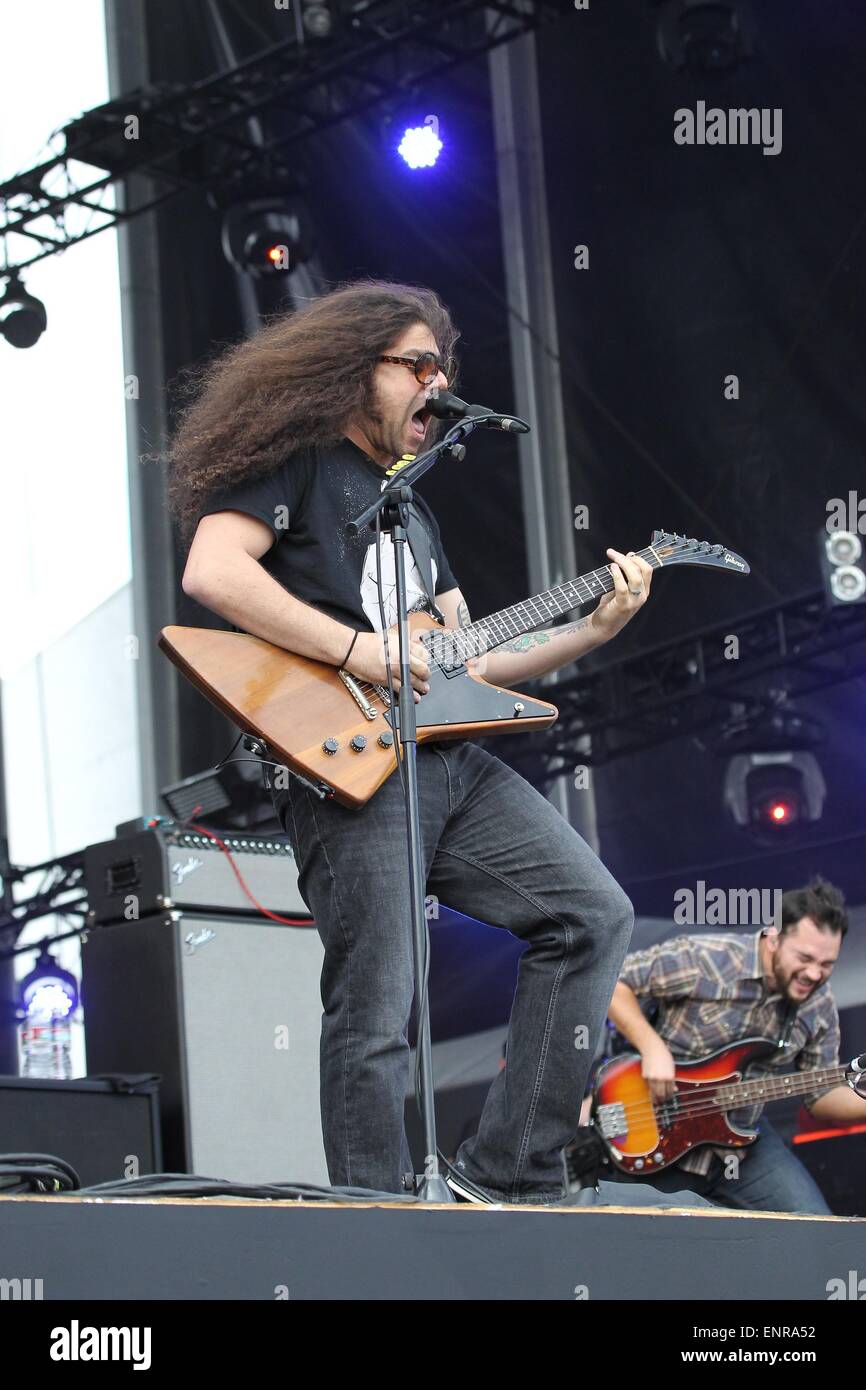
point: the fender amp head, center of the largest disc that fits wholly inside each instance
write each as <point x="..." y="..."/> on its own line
<point x="131" y="876"/>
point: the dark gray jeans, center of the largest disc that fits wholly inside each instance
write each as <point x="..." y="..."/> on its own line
<point x="496" y="850"/>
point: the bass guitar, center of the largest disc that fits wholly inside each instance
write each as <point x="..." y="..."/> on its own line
<point x="338" y="732"/>
<point x="642" y="1135"/>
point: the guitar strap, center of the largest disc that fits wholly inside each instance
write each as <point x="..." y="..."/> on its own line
<point x="788" y="1023"/>
<point x="419" y="544"/>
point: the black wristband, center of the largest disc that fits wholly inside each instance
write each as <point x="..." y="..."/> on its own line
<point x="349" y="652"/>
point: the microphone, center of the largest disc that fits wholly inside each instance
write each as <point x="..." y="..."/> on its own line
<point x="446" y="406"/>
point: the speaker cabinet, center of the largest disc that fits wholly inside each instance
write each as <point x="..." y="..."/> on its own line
<point x="228" y="1012"/>
<point x="107" y="1129"/>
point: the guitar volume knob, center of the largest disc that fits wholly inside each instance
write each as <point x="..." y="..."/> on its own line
<point x="330" y="746"/>
<point x="358" y="743"/>
<point x="385" y="739"/>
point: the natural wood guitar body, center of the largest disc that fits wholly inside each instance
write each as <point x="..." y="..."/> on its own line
<point x="295" y="705"/>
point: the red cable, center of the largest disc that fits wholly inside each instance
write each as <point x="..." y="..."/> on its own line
<point x="274" y="917"/>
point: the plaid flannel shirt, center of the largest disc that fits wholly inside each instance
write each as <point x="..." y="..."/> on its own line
<point x="710" y="992"/>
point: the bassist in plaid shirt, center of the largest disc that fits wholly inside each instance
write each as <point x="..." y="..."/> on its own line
<point x="712" y="990"/>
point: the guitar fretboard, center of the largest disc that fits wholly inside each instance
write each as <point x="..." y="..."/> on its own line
<point x="457" y="646"/>
<point x="765" y="1088"/>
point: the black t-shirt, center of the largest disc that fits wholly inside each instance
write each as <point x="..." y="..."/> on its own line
<point x="307" y="501"/>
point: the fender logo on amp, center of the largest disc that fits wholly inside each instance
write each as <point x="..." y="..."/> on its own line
<point x="181" y="871"/>
<point x="192" y="941"/>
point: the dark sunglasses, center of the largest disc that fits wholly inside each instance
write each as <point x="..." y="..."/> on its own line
<point x="426" y="367"/>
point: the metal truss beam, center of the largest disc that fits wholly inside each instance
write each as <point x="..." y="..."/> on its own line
<point x="695" y="685"/>
<point x="197" y="135"/>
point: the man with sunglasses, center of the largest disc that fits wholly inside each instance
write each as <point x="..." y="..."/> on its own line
<point x="290" y="438"/>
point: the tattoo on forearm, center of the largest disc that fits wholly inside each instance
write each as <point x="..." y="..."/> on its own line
<point x="523" y="644"/>
<point x="463" y="617"/>
<point x="534" y="639"/>
<point x="571" y="627"/>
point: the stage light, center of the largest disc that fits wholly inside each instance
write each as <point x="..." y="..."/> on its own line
<point x="772" y="795"/>
<point x="266" y="236"/>
<point x="705" y="36"/>
<point x="317" y="19"/>
<point x="420" y="147"/>
<point x="22" y="317"/>
<point x="48" y="992"/>
<point x="842" y="567"/>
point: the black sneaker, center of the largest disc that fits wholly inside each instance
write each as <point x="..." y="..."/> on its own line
<point x="466" y="1191"/>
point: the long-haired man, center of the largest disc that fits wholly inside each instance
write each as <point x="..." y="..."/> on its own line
<point x="288" y="439"/>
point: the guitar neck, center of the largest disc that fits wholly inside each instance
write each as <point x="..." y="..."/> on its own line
<point x="532" y="613"/>
<point x="769" y="1088"/>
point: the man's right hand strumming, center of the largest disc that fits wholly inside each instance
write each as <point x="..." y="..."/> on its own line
<point x="658" y="1063"/>
<point x="367" y="661"/>
<point x="658" y="1068"/>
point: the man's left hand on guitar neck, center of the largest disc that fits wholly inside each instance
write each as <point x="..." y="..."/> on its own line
<point x="536" y="653"/>
<point x="632" y="577"/>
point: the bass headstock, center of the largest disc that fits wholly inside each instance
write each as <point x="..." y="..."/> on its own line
<point x="671" y="549"/>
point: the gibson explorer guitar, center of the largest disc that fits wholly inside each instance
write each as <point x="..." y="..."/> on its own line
<point x="644" y="1136"/>
<point x="338" y="731"/>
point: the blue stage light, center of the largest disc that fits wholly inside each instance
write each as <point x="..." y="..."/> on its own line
<point x="48" y="991"/>
<point x="420" y="147"/>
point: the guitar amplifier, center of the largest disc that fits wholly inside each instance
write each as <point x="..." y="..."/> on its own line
<point x="97" y="1124"/>
<point x="135" y="875"/>
<point x="227" y="1012"/>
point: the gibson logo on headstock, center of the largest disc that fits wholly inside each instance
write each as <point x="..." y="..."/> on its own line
<point x="734" y="560"/>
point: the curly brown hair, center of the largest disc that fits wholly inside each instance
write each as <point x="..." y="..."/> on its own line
<point x="298" y="382"/>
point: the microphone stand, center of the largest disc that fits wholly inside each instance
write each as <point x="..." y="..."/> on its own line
<point x="393" y="505"/>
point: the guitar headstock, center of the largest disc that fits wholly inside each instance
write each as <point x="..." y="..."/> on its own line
<point x="672" y="549"/>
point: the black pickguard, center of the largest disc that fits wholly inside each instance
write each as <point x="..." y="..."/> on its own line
<point x="455" y="698"/>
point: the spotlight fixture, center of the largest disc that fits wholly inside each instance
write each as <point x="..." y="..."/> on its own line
<point x="22" y="317"/>
<point x="772" y="795"/>
<point x="317" y="19"/>
<point x="842" y="566"/>
<point x="48" y="992"/>
<point x="420" y="146"/>
<point x="266" y="236"/>
<point x="705" y="36"/>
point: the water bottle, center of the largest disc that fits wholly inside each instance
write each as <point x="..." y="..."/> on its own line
<point x="46" y="1048"/>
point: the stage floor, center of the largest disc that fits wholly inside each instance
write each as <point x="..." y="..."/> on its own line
<point x="84" y="1248"/>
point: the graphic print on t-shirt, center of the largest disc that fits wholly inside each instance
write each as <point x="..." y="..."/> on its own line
<point x="415" y="595"/>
